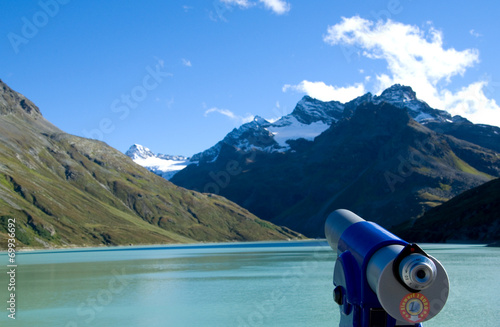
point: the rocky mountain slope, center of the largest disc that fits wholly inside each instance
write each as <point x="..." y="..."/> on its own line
<point x="64" y="190"/>
<point x="388" y="158"/>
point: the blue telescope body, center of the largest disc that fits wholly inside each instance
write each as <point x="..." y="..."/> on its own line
<point x="380" y="280"/>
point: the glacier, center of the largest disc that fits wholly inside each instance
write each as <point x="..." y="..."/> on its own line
<point x="163" y="165"/>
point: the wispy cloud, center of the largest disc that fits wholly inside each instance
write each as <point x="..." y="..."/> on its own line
<point x="186" y="62"/>
<point x="474" y="33"/>
<point x="240" y="3"/>
<point x="277" y="113"/>
<point x="228" y="113"/>
<point x="323" y="92"/>
<point x="416" y="57"/>
<point x="160" y="61"/>
<point x="279" y="7"/>
<point x="168" y="102"/>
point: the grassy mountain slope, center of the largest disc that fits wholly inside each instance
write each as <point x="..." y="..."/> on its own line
<point x="473" y="215"/>
<point x="67" y="190"/>
<point x="386" y="167"/>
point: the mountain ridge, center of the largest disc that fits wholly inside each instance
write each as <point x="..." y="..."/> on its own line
<point x="397" y="164"/>
<point x="311" y="117"/>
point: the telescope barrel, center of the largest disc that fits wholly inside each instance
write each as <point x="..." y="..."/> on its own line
<point x="336" y="223"/>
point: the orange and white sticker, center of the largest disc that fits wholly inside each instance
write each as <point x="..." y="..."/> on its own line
<point x="414" y="307"/>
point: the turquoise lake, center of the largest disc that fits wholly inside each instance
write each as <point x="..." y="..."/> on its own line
<point x="237" y="284"/>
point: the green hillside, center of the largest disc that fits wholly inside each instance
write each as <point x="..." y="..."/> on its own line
<point x="473" y="216"/>
<point x="65" y="190"/>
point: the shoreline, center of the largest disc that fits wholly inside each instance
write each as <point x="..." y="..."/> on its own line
<point x="207" y="245"/>
<point x="235" y="244"/>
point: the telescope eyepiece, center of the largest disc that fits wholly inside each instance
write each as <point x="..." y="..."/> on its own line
<point x="417" y="271"/>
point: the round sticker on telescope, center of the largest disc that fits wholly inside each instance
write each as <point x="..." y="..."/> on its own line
<point x="414" y="307"/>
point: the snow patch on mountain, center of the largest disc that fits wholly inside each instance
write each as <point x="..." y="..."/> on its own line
<point x="289" y="128"/>
<point x="163" y="165"/>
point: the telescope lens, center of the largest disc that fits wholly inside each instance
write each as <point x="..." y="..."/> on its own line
<point x="417" y="271"/>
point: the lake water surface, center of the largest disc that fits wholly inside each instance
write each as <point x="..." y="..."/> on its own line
<point x="238" y="284"/>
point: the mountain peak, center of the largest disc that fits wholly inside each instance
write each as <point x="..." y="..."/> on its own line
<point x="309" y="110"/>
<point x="404" y="97"/>
<point x="138" y="151"/>
<point x="13" y="102"/>
<point x="398" y="92"/>
<point x="260" y="120"/>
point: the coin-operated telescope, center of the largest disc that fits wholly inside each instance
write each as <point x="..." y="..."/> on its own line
<point x="381" y="280"/>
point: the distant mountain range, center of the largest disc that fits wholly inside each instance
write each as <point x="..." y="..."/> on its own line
<point x="64" y="190"/>
<point x="388" y="158"/>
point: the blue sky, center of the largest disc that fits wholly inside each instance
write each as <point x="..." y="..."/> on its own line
<point x="177" y="76"/>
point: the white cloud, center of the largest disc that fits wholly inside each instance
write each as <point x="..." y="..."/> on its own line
<point x="186" y="62"/>
<point x="228" y="113"/>
<point x="417" y="57"/>
<point x="471" y="102"/>
<point x="323" y="92"/>
<point x="279" y="7"/>
<point x="410" y="52"/>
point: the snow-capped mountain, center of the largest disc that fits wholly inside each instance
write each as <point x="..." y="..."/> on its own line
<point x="390" y="157"/>
<point x="161" y="164"/>
<point x="404" y="97"/>
<point x="311" y="117"/>
<point x="137" y="151"/>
